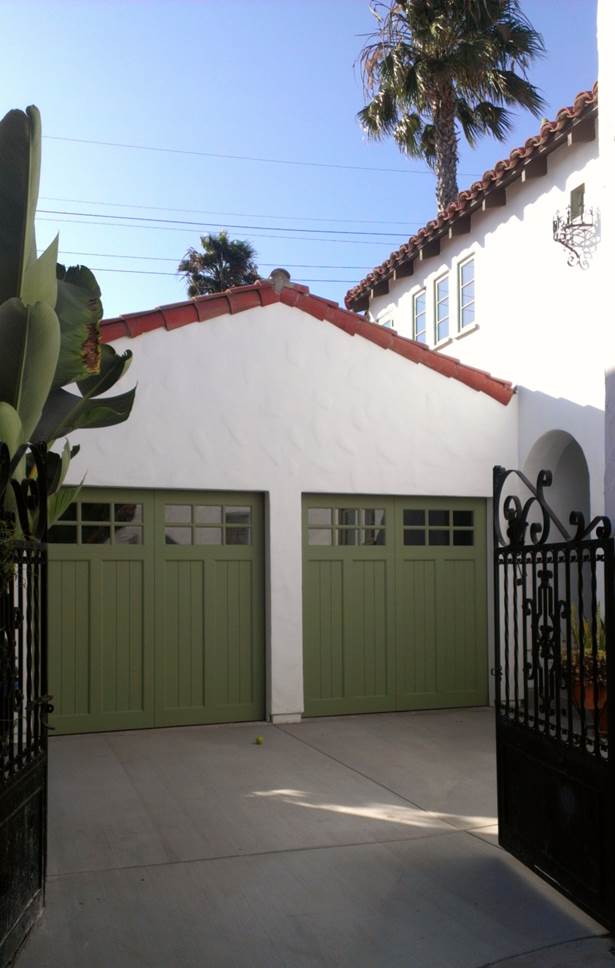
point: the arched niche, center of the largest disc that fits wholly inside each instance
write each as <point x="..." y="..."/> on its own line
<point x="558" y="451"/>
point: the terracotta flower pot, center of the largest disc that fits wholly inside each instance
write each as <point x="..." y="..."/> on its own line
<point x="589" y="705"/>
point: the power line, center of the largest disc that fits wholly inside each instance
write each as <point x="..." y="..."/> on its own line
<point x="146" y="272"/>
<point x="166" y="228"/>
<point x="160" y="258"/>
<point x="269" y="161"/>
<point x="210" y="225"/>
<point x="206" y="211"/>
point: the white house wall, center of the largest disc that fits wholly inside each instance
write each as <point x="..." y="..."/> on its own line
<point x="274" y="400"/>
<point x="539" y="322"/>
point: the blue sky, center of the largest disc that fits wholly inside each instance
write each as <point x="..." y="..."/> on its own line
<point x="261" y="78"/>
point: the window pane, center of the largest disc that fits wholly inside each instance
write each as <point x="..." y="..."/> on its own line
<point x="419" y="303"/>
<point x="414" y="537"/>
<point x="128" y="535"/>
<point x="467" y="294"/>
<point x="467" y="315"/>
<point x="463" y="537"/>
<point x="467" y="272"/>
<point x="373" y="536"/>
<point x="463" y="519"/>
<point x="442" y="329"/>
<point x="95" y="512"/>
<point x="70" y="514"/>
<point x="319" y="536"/>
<point x="178" y="536"/>
<point x="208" y="536"/>
<point x="443" y="309"/>
<point x="319" y="516"/>
<point x="237" y="516"/>
<point x="442" y="289"/>
<point x="208" y="514"/>
<point x="347" y="516"/>
<point x="373" y="516"/>
<point x="439" y="537"/>
<point x="421" y="337"/>
<point x="237" y="536"/>
<point x="95" y="534"/>
<point x="439" y="517"/>
<point x="129" y="513"/>
<point x="62" y="534"/>
<point x="347" y="536"/>
<point x="413" y="517"/>
<point x="178" y="514"/>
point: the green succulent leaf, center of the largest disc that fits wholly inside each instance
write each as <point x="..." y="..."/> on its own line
<point x="30" y="341"/>
<point x="113" y="366"/>
<point x="10" y="427"/>
<point x="65" y="412"/>
<point x="39" y="281"/>
<point x="20" y="163"/>
<point x="79" y="310"/>
<point x="60" y="500"/>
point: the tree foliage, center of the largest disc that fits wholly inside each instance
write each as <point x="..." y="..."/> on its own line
<point x="436" y="68"/>
<point x="222" y="264"/>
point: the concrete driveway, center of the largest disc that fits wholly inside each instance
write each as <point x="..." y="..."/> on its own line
<point x="355" y="841"/>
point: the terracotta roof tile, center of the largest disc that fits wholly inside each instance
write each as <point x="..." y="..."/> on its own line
<point x="263" y="293"/>
<point x="506" y="170"/>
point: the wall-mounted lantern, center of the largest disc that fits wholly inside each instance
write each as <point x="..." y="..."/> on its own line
<point x="577" y="229"/>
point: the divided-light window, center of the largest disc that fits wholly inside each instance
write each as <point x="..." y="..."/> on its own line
<point x="419" y="317"/>
<point x="466" y="294"/>
<point x="442" y="310"/>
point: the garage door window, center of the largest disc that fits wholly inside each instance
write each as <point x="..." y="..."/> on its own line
<point x="438" y="528"/>
<point x="207" y="524"/>
<point x="346" y="526"/>
<point x="101" y="522"/>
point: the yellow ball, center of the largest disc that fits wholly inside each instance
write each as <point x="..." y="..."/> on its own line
<point x="259" y="740"/>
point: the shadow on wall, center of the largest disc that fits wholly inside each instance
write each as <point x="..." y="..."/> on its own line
<point x="559" y="452"/>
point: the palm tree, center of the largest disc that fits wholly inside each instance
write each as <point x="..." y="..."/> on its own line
<point x="223" y="263"/>
<point x="434" y="67"/>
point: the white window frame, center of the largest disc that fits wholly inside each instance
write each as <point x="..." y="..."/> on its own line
<point x="415" y="334"/>
<point x="460" y="287"/>
<point x="445" y="277"/>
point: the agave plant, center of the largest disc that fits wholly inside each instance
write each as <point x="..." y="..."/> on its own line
<point x="49" y="328"/>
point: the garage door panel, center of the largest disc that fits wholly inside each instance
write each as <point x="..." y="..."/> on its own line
<point x="323" y="629"/>
<point x="461" y="661"/>
<point x="407" y="627"/>
<point x="416" y="632"/>
<point x="232" y="642"/>
<point x="121" y="636"/>
<point x="69" y="632"/>
<point x="367" y="666"/>
<point x="181" y="671"/>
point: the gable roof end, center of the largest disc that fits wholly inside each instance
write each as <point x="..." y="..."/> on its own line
<point x="551" y="135"/>
<point x="265" y="292"/>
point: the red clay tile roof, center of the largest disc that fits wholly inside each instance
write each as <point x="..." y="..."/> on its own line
<point x="263" y="293"/>
<point x="550" y="136"/>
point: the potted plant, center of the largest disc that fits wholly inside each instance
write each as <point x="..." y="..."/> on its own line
<point x="586" y="668"/>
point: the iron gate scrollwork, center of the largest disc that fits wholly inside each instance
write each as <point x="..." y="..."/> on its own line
<point x="24" y="702"/>
<point x="553" y="608"/>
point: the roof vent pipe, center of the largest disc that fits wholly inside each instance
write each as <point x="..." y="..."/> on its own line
<point x="280" y="278"/>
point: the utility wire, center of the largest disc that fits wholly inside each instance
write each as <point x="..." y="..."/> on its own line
<point x="206" y="211"/>
<point x="210" y="225"/>
<point x="269" y="161"/>
<point x="169" y="228"/>
<point x="160" y="258"/>
<point x="146" y="272"/>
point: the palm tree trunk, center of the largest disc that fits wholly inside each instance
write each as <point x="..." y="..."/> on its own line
<point x="447" y="156"/>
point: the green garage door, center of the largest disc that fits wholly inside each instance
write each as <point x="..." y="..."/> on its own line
<point x="156" y="610"/>
<point x="394" y="593"/>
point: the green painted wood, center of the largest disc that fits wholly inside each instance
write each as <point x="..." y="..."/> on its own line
<point x="348" y="615"/>
<point x="154" y="634"/>
<point x="394" y="626"/>
<point x="101" y="628"/>
<point x="210" y="648"/>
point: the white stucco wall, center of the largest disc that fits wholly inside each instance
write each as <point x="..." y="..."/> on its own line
<point x="539" y="322"/>
<point x="274" y="400"/>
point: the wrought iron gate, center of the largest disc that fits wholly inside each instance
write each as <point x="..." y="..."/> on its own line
<point x="24" y="702"/>
<point x="554" y="611"/>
